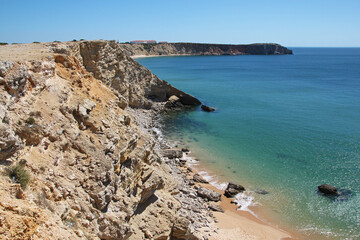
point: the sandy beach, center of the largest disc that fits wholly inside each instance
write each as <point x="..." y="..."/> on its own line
<point x="238" y="224"/>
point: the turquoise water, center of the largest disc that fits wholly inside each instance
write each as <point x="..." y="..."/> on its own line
<point x="285" y="124"/>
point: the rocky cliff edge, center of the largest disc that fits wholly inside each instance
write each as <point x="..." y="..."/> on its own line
<point x="78" y="118"/>
<point x="168" y="49"/>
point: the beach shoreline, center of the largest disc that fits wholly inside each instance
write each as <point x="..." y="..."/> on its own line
<point x="240" y="224"/>
<point x="232" y="223"/>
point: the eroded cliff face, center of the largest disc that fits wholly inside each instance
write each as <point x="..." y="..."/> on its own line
<point x="94" y="173"/>
<point x="203" y="49"/>
<point x="140" y="87"/>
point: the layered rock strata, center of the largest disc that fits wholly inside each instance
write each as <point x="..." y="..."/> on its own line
<point x="81" y="122"/>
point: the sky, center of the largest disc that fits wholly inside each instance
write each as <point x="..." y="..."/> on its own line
<point x="292" y="23"/>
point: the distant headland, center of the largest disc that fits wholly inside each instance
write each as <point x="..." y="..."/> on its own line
<point x="137" y="48"/>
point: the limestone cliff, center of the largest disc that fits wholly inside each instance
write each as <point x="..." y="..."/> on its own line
<point x="203" y="49"/>
<point x="96" y="169"/>
<point x="108" y="63"/>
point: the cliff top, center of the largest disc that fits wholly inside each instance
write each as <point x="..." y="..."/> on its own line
<point x="24" y="52"/>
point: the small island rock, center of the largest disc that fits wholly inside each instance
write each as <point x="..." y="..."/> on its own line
<point x="207" y="108"/>
<point x="327" y="189"/>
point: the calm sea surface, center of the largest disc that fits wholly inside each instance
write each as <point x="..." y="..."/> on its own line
<point x="285" y="124"/>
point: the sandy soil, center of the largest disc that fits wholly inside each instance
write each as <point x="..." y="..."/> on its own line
<point x="24" y="52"/>
<point x="234" y="224"/>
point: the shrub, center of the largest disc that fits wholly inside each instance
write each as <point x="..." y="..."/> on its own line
<point x="19" y="174"/>
<point x="36" y="42"/>
<point x="3" y="43"/>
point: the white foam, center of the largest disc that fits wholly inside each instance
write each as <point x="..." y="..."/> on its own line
<point x="244" y="200"/>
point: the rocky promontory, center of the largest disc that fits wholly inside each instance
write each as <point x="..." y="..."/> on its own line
<point x="168" y="49"/>
<point x="79" y="155"/>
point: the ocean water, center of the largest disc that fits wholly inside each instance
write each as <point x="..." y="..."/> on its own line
<point x="285" y="124"/>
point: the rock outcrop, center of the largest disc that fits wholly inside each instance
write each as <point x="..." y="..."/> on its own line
<point x="199" y="179"/>
<point x="232" y="189"/>
<point x="163" y="49"/>
<point x="207" y="108"/>
<point x="80" y="121"/>
<point x="108" y="63"/>
<point x="209" y="194"/>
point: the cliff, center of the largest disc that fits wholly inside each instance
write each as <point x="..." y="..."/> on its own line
<point x="77" y="121"/>
<point x="203" y="49"/>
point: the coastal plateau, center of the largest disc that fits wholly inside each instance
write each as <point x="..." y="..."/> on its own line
<point x="166" y="49"/>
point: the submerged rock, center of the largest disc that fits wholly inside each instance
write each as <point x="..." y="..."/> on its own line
<point x="233" y="189"/>
<point x="207" y="108"/>
<point x="209" y="194"/>
<point x="327" y="189"/>
<point x="261" y="191"/>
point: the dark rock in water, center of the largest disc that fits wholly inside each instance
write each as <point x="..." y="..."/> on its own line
<point x="199" y="179"/>
<point x="207" y="108"/>
<point x="327" y="189"/>
<point x="209" y="194"/>
<point x="233" y="189"/>
<point x="342" y="195"/>
<point x="261" y="191"/>
<point x="216" y="208"/>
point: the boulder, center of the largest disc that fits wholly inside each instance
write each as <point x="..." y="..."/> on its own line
<point x="181" y="231"/>
<point x="233" y="189"/>
<point x="328" y="189"/>
<point x="173" y="103"/>
<point x="215" y="208"/>
<point x="209" y="194"/>
<point x="207" y="108"/>
<point x="172" y="153"/>
<point x="152" y="183"/>
<point x="199" y="179"/>
<point x="85" y="108"/>
<point x="185" y="150"/>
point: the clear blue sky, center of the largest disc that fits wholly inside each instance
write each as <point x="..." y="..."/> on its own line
<point x="288" y="22"/>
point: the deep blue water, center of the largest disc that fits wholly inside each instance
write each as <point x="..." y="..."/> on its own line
<point x="283" y="123"/>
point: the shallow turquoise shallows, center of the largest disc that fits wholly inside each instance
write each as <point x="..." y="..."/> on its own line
<point x="285" y="123"/>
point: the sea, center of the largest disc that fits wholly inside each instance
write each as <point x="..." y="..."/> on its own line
<point x="283" y="125"/>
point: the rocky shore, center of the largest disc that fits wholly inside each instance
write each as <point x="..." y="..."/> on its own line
<point x="79" y="120"/>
